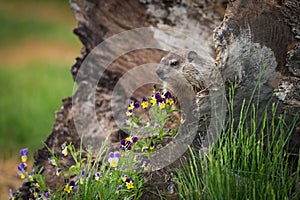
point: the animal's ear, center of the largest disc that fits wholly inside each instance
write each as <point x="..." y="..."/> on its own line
<point x="191" y="56"/>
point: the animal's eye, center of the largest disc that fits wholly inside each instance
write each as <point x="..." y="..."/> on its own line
<point x="174" y="63"/>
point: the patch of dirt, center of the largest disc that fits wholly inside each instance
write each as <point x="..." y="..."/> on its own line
<point x="9" y="176"/>
<point x="33" y="50"/>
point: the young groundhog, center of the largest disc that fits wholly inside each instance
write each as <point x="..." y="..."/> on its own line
<point x="187" y="74"/>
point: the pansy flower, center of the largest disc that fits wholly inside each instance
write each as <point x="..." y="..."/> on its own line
<point x="35" y="192"/>
<point x="129" y="113"/>
<point x="123" y="177"/>
<point x="69" y="187"/>
<point x="182" y="119"/>
<point x="35" y="183"/>
<point x="162" y="105"/>
<point x="132" y="106"/>
<point x="11" y="195"/>
<point x="22" y="170"/>
<point x="23" y="153"/>
<point x="64" y="148"/>
<point x="114" y="158"/>
<point x="52" y="162"/>
<point x="152" y="100"/>
<point x="47" y="194"/>
<point x="58" y="171"/>
<point x="98" y="176"/>
<point x="158" y="98"/>
<point x="126" y="144"/>
<point x="81" y="179"/>
<point x="129" y="183"/>
<point x="119" y="187"/>
<point x="145" y="103"/>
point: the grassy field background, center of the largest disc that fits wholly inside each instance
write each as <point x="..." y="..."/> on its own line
<point x="37" y="49"/>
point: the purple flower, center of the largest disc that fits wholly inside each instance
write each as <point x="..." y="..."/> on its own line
<point x="168" y="95"/>
<point x="58" y="170"/>
<point x="126" y="144"/>
<point x="119" y="187"/>
<point x="158" y="98"/>
<point x="22" y="170"/>
<point x="129" y="183"/>
<point x="114" y="158"/>
<point x="11" y="193"/>
<point x="47" y="194"/>
<point x="23" y="153"/>
<point x="136" y="104"/>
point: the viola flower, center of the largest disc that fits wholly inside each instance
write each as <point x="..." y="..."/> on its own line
<point x="145" y="103"/>
<point x="168" y="95"/>
<point x="145" y="163"/>
<point x="58" y="171"/>
<point x="23" y="153"/>
<point x="64" y="149"/>
<point x="81" y="179"/>
<point x="52" y="162"/>
<point x="119" y="187"/>
<point x="35" y="192"/>
<point x="47" y="194"/>
<point x="152" y="100"/>
<point x="129" y="113"/>
<point x="162" y="105"/>
<point x="133" y="105"/>
<point x="69" y="187"/>
<point x="129" y="183"/>
<point x="22" y="170"/>
<point x="123" y="177"/>
<point x="114" y="158"/>
<point x="126" y="144"/>
<point x="11" y="195"/>
<point x="158" y="98"/>
<point x="170" y="101"/>
<point x="131" y="139"/>
<point x="182" y="119"/>
<point x="98" y="176"/>
<point x="35" y="183"/>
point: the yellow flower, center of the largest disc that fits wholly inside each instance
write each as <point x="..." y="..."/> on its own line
<point x="145" y="104"/>
<point x="23" y="175"/>
<point x="182" y="120"/>
<point x="68" y="188"/>
<point x="65" y="151"/>
<point x="24" y="158"/>
<point x="113" y="163"/>
<point x="81" y="181"/>
<point x="162" y="105"/>
<point x="153" y="101"/>
<point x="131" y="106"/>
<point x="170" y="101"/>
<point x="129" y="113"/>
<point x="129" y="185"/>
<point x="123" y="177"/>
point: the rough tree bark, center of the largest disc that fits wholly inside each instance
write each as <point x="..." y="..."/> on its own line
<point x="253" y="34"/>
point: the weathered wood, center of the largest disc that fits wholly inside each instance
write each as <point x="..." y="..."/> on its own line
<point x="255" y="37"/>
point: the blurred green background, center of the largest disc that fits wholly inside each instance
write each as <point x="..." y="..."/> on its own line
<point x="37" y="49"/>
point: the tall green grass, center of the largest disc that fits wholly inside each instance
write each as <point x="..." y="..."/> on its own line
<point x="247" y="162"/>
<point x="29" y="98"/>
